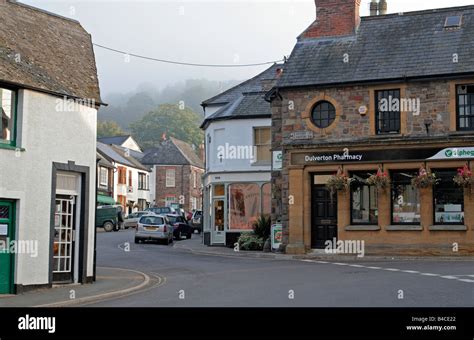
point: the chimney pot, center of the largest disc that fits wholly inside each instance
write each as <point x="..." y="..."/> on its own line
<point x="374" y="8"/>
<point x="383" y="7"/>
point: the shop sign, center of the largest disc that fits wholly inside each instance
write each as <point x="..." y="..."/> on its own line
<point x="349" y="156"/>
<point x="277" y="236"/>
<point x="302" y="135"/>
<point x="3" y="229"/>
<point x="277" y="160"/>
<point x="454" y="153"/>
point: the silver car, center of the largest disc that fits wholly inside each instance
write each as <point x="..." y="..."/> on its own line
<point x="131" y="221"/>
<point x="154" y="228"/>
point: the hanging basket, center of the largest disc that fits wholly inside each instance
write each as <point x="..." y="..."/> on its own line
<point x="425" y="179"/>
<point x="338" y="182"/>
<point x="464" y="178"/>
<point x="380" y="180"/>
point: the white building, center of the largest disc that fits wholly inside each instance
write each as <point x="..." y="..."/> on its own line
<point x="131" y="182"/>
<point x="237" y="186"/>
<point x="49" y="99"/>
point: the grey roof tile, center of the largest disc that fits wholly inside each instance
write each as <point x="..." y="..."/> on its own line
<point x="387" y="47"/>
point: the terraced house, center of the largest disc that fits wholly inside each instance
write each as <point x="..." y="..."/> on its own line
<point x="49" y="100"/>
<point x="391" y="95"/>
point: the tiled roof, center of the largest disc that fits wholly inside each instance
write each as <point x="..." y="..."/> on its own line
<point x="172" y="152"/>
<point x="116" y="140"/>
<point x="248" y="105"/>
<point x="252" y="85"/>
<point x="390" y="47"/>
<point x="46" y="52"/>
<point x="119" y="155"/>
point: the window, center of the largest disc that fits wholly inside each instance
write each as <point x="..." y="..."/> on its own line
<point x="122" y="173"/>
<point x="405" y="199"/>
<point x="323" y="114"/>
<point x="244" y="206"/>
<point x="194" y="179"/>
<point x="169" y="200"/>
<point x="448" y="199"/>
<point x="130" y="178"/>
<point x="262" y="143"/>
<point x="219" y="190"/>
<point x="142" y="205"/>
<point x="465" y="107"/>
<point x="364" y="208"/>
<point x="387" y="104"/>
<point x="104" y="177"/>
<point x="7" y="122"/>
<point x="142" y="181"/>
<point x="170" y="178"/>
<point x="453" y="21"/>
<point x="193" y="203"/>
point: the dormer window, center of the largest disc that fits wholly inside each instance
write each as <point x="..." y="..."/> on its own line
<point x="453" y="22"/>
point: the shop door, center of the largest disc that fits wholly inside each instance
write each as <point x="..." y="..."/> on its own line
<point x="218" y="223"/>
<point x="64" y="234"/>
<point x="7" y="228"/>
<point x="324" y="217"/>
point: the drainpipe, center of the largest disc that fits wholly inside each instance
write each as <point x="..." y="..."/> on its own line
<point x="94" y="277"/>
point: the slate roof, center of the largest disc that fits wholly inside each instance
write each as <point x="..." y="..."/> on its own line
<point x="252" y="85"/>
<point x="119" y="155"/>
<point x="172" y="152"/>
<point x="46" y="52"/>
<point x="116" y="140"/>
<point x="104" y="161"/>
<point x="248" y="105"/>
<point x="390" y="47"/>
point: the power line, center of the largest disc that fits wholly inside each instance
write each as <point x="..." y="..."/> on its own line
<point x="184" y="63"/>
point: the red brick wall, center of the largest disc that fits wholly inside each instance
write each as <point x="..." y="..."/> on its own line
<point x="334" y="18"/>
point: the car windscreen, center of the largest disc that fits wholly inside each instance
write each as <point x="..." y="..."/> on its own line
<point x="198" y="214"/>
<point x="152" y="220"/>
<point x="175" y="219"/>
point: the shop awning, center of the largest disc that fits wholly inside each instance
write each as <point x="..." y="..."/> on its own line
<point x="105" y="200"/>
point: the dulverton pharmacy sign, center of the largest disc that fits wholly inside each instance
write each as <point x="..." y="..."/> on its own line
<point x="349" y="156"/>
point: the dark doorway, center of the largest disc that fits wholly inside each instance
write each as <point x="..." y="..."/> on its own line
<point x="323" y="216"/>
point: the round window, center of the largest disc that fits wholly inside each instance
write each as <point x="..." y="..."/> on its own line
<point x="323" y="115"/>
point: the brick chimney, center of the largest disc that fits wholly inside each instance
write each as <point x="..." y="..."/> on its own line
<point x="334" y="18"/>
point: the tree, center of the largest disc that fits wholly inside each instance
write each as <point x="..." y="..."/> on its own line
<point x="109" y="129"/>
<point x="172" y="120"/>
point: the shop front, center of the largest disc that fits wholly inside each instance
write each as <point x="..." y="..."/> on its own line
<point x="233" y="207"/>
<point x="395" y="199"/>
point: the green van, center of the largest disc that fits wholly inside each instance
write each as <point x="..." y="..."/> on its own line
<point x="109" y="217"/>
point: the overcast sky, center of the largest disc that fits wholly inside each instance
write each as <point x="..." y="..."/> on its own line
<point x="198" y="31"/>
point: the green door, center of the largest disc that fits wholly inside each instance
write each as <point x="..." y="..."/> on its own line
<point x="7" y="225"/>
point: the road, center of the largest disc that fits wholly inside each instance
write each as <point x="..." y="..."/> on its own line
<point x="184" y="279"/>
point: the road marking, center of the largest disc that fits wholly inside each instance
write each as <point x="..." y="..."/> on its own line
<point x="415" y="272"/>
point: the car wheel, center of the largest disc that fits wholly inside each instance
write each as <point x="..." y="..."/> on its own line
<point x="108" y="226"/>
<point x="188" y="236"/>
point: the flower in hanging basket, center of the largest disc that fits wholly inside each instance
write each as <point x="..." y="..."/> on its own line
<point x="338" y="182"/>
<point x="464" y="177"/>
<point x="380" y="180"/>
<point x="425" y="179"/>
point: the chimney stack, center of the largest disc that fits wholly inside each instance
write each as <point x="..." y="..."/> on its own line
<point x="334" y="18"/>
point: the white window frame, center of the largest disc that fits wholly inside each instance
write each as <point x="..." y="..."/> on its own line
<point x="256" y="130"/>
<point x="171" y="178"/>
<point x="102" y="172"/>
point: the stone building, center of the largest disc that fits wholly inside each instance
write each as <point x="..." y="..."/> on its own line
<point x="388" y="94"/>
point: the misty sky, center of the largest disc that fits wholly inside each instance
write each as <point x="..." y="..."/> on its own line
<point x="199" y="31"/>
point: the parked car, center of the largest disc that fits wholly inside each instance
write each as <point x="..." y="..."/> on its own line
<point x="131" y="221"/>
<point x="109" y="217"/>
<point x="154" y="228"/>
<point x="180" y="226"/>
<point x="162" y="210"/>
<point x="196" y="221"/>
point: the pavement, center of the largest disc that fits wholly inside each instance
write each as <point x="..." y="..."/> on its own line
<point x="111" y="283"/>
